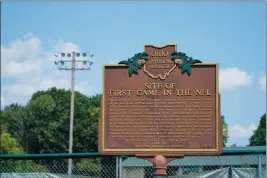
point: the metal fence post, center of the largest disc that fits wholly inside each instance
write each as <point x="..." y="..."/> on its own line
<point x="259" y="166"/>
<point x="120" y="167"/>
<point x="117" y="167"/>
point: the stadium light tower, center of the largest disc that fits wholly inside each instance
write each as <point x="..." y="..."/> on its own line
<point x="75" y="65"/>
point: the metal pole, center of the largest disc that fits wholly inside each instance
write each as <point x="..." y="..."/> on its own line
<point x="117" y="167"/>
<point x="61" y="66"/>
<point x="71" y="112"/>
<point x="120" y="168"/>
<point x="259" y="166"/>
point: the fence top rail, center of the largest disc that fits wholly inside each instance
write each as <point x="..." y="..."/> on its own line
<point x="246" y="150"/>
<point x="226" y="151"/>
<point x="50" y="155"/>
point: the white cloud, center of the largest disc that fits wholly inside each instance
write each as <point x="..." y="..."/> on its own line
<point x="14" y="68"/>
<point x="66" y="47"/>
<point x="20" y="56"/>
<point x="26" y="56"/>
<point x="233" y="78"/>
<point x="238" y="131"/>
<point x="262" y="81"/>
<point x="32" y="69"/>
<point x="19" y="49"/>
<point x="84" y="88"/>
<point x="43" y="84"/>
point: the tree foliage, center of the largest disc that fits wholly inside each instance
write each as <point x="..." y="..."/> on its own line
<point x="9" y="145"/>
<point x="14" y="120"/>
<point x="259" y="136"/>
<point x="42" y="126"/>
<point x="225" y="131"/>
<point x="89" y="167"/>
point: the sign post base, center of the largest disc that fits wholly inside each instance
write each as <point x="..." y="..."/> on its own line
<point x="160" y="163"/>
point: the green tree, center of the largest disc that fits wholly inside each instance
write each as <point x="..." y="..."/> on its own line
<point x="14" y="120"/>
<point x="88" y="167"/>
<point x="232" y="146"/>
<point x="49" y="113"/>
<point x="42" y="126"/>
<point x="225" y="131"/>
<point x="9" y="145"/>
<point x="259" y="136"/>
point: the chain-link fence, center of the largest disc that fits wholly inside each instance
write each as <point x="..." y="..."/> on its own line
<point x="244" y="165"/>
<point x="225" y="166"/>
<point x="58" y="168"/>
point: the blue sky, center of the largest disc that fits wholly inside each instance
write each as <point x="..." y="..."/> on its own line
<point x="232" y="34"/>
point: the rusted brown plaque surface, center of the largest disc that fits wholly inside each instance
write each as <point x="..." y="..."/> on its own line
<point x="160" y="110"/>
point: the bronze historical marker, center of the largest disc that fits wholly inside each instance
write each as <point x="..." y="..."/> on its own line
<point x="160" y="102"/>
